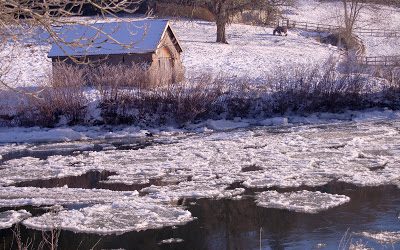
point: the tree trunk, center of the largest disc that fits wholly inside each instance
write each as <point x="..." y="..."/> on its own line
<point x="221" y="32"/>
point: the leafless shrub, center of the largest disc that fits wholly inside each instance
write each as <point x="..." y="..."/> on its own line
<point x="180" y="102"/>
<point x="316" y="90"/>
<point x="63" y="95"/>
<point x="125" y="98"/>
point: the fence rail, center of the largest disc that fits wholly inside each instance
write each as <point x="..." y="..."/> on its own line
<point x="307" y="26"/>
<point x="328" y="28"/>
<point x="379" y="60"/>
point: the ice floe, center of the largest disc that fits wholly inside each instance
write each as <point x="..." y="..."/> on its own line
<point x="171" y="240"/>
<point x="11" y="217"/>
<point x="30" y="196"/>
<point x="383" y="237"/>
<point x="115" y="218"/>
<point x="214" y="165"/>
<point x="301" y="201"/>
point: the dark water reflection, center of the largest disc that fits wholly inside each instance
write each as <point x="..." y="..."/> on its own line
<point x="236" y="224"/>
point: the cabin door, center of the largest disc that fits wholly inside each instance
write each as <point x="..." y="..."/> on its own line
<point x="166" y="67"/>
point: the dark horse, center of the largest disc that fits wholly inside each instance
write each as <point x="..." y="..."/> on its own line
<point x="280" y="31"/>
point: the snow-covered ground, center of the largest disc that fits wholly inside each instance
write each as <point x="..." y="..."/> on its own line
<point x="252" y="53"/>
<point x="372" y="16"/>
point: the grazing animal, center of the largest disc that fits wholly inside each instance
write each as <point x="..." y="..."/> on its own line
<point x="280" y="31"/>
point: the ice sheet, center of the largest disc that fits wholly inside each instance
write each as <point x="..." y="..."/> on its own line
<point x="301" y="201"/>
<point x="11" y="217"/>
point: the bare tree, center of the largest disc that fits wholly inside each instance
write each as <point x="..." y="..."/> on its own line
<point x="225" y="10"/>
<point x="351" y="14"/>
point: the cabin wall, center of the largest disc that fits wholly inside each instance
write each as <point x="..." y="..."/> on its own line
<point x="126" y="59"/>
<point x="166" y="67"/>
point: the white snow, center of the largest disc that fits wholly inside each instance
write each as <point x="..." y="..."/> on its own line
<point x="221" y="125"/>
<point x="252" y="53"/>
<point x="102" y="38"/>
<point x="11" y="217"/>
<point x="27" y="135"/>
<point x="301" y="201"/>
<point x="372" y="16"/>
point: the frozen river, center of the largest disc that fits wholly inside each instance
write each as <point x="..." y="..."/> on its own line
<point x="294" y="187"/>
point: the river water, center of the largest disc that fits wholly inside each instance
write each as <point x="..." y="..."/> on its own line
<point x="203" y="190"/>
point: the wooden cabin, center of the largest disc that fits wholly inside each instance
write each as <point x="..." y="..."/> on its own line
<point x="151" y="42"/>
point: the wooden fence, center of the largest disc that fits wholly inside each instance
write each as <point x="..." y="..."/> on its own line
<point x="307" y="26"/>
<point x="379" y="60"/>
<point x="328" y="28"/>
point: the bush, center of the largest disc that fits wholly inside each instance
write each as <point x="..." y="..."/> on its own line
<point x="63" y="95"/>
<point x="125" y="98"/>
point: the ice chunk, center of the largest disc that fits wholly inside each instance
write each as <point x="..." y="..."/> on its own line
<point x="383" y="237"/>
<point x="24" y="196"/>
<point x="171" y="240"/>
<point x="194" y="190"/>
<point x="116" y="218"/>
<point x="11" y="217"/>
<point x="301" y="201"/>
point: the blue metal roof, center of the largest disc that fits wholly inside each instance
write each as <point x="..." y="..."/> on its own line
<point x="134" y="37"/>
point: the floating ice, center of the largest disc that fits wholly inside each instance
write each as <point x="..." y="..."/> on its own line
<point x="301" y="201"/>
<point x="195" y="190"/>
<point x="115" y="218"/>
<point x="209" y="165"/>
<point x="171" y="240"/>
<point x="25" y="196"/>
<point x="11" y="217"/>
<point x="383" y="237"/>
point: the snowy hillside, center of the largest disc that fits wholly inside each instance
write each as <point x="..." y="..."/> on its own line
<point x="371" y="17"/>
<point x="252" y="52"/>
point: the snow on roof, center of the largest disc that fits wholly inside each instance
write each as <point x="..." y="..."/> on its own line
<point x="134" y="37"/>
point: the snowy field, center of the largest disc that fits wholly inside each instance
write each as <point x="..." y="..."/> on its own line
<point x="371" y="17"/>
<point x="252" y="53"/>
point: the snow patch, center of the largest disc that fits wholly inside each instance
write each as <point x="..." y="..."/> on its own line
<point x="222" y="125"/>
<point x="26" y="135"/>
